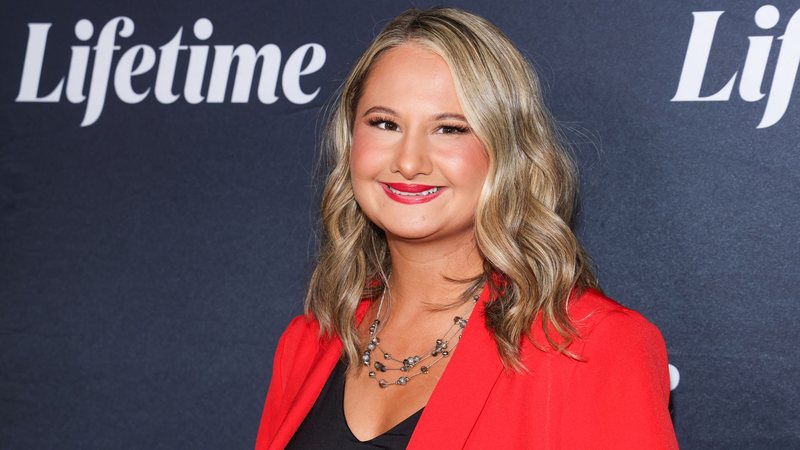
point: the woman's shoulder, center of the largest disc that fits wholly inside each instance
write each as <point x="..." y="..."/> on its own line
<point x="299" y="345"/>
<point x="592" y="312"/>
<point x="301" y="329"/>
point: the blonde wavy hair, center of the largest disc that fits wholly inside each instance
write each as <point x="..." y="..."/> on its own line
<point x="532" y="260"/>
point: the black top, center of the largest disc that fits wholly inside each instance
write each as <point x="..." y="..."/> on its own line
<point x="325" y="426"/>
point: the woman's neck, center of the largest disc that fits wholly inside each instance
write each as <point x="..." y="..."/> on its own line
<point x="422" y="274"/>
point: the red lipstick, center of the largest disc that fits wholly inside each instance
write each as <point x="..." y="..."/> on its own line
<point x="411" y="194"/>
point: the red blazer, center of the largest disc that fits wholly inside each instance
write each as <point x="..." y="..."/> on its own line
<point x="615" y="398"/>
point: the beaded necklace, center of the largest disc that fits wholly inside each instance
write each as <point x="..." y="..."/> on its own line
<point x="441" y="349"/>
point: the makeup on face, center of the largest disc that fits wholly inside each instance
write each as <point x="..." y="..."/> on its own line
<point x="412" y="194"/>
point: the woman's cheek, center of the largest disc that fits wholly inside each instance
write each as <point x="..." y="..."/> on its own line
<point x="368" y="156"/>
<point x="360" y="161"/>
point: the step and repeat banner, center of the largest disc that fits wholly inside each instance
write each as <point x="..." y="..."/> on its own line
<point x="158" y="198"/>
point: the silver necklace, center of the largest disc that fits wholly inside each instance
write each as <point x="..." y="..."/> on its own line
<point x="441" y="349"/>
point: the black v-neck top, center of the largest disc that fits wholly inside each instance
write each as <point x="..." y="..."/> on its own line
<point x="326" y="428"/>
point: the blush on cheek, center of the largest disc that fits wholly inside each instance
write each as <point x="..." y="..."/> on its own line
<point x="358" y="153"/>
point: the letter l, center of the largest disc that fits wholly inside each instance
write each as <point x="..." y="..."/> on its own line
<point x="32" y="67"/>
<point x="694" y="66"/>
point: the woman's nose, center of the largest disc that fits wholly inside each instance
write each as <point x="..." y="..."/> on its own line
<point x="412" y="156"/>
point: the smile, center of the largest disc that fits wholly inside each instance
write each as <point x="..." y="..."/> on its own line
<point x="411" y="193"/>
<point x="414" y="194"/>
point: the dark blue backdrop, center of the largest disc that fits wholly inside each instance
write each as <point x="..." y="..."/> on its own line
<point x="150" y="260"/>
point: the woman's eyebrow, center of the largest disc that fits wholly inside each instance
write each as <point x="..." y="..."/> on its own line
<point x="379" y="109"/>
<point x="450" y="116"/>
<point x="391" y="112"/>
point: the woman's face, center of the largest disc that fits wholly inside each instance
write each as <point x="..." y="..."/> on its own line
<point x="417" y="168"/>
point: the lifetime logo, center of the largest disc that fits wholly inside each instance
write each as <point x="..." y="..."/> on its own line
<point x="755" y="64"/>
<point x="140" y="59"/>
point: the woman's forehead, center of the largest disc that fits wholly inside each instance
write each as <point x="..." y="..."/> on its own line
<point x="410" y="75"/>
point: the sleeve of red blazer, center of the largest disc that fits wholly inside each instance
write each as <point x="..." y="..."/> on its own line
<point x="623" y="394"/>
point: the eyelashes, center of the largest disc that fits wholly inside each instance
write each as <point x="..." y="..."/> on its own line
<point x="386" y="123"/>
<point x="454" y="129"/>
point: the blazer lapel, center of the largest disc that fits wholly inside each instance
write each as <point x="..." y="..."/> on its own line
<point x="326" y="355"/>
<point x="457" y="400"/>
<point x="320" y="370"/>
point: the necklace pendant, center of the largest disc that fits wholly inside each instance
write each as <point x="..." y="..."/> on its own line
<point x="383" y="383"/>
<point x="402" y="381"/>
<point x="410" y="362"/>
<point x="440" y="345"/>
<point x="374" y="327"/>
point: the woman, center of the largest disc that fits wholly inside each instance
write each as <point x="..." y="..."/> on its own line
<point x="452" y="306"/>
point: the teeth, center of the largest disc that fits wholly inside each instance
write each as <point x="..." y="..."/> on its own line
<point x="413" y="194"/>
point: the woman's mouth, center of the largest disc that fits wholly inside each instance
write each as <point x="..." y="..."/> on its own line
<point x="414" y="194"/>
<point x="411" y="193"/>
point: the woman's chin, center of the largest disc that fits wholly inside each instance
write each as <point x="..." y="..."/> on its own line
<point x="410" y="234"/>
<point x="427" y="234"/>
<point x="411" y="230"/>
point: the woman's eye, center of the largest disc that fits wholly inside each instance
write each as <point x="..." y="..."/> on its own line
<point x="383" y="124"/>
<point x="453" y="129"/>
